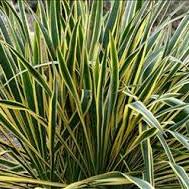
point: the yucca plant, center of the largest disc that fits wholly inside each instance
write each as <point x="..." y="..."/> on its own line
<point x="94" y="99"/>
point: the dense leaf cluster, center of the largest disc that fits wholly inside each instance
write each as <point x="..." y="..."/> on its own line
<point x="94" y="98"/>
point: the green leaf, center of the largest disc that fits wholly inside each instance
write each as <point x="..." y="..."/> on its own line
<point x="181" y="174"/>
<point x="111" y="178"/>
<point x="95" y="25"/>
<point x="52" y="127"/>
<point x="147" y="115"/>
<point x="30" y="181"/>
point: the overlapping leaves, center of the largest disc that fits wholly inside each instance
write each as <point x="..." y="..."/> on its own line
<point x="92" y="98"/>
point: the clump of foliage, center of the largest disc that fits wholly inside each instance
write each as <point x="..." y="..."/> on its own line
<point x="94" y="99"/>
